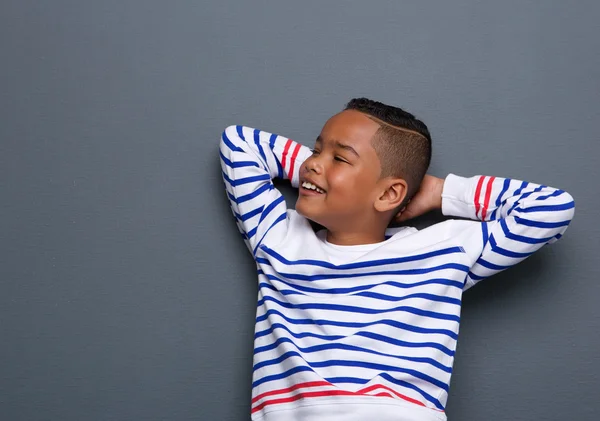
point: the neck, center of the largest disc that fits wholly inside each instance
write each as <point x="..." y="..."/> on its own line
<point x="354" y="238"/>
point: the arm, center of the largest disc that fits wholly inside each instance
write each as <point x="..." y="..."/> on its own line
<point x="519" y="218"/>
<point x="250" y="159"/>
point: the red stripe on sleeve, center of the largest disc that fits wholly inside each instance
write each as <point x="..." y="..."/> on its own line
<point x="477" y="193"/>
<point x="293" y="160"/>
<point x="488" y="194"/>
<point x="285" y="152"/>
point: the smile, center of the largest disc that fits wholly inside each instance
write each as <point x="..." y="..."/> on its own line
<point x="311" y="186"/>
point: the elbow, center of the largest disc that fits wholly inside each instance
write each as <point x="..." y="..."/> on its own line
<point x="232" y="140"/>
<point x="570" y="213"/>
<point x="230" y="129"/>
<point x="567" y="213"/>
<point x="227" y="133"/>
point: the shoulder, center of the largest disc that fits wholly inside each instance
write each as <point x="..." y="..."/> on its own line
<point x="455" y="231"/>
<point x="299" y="230"/>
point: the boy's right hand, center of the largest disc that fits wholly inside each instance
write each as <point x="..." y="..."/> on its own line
<point x="427" y="198"/>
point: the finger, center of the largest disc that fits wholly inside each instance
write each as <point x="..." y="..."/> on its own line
<point x="402" y="217"/>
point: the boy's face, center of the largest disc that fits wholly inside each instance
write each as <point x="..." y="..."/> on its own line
<point x="346" y="168"/>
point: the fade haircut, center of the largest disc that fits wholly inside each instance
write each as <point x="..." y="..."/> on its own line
<point x="402" y="143"/>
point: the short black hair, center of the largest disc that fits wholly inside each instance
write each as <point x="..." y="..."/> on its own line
<point x="403" y="144"/>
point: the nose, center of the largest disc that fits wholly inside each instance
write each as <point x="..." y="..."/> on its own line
<point x="312" y="164"/>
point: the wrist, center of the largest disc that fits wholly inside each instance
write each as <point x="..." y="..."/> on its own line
<point x="437" y="194"/>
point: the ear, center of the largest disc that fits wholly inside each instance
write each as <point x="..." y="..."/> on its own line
<point x="393" y="193"/>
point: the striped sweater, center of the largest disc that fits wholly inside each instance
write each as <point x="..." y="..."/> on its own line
<point x="369" y="332"/>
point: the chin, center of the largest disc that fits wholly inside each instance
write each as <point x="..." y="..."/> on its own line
<point x="300" y="209"/>
<point x="311" y="216"/>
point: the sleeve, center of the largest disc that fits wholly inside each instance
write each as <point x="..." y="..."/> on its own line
<point x="250" y="159"/>
<point x="518" y="218"/>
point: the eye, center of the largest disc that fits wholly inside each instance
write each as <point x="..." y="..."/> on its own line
<point x="314" y="151"/>
<point x="337" y="158"/>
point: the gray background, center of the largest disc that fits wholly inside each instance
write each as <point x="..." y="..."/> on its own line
<point x="125" y="289"/>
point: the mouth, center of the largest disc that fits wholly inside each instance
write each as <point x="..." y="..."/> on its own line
<point x="309" y="188"/>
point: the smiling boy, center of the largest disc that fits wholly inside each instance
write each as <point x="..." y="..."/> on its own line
<point x="359" y="321"/>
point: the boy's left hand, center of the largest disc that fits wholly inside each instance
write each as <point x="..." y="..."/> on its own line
<point x="427" y="198"/>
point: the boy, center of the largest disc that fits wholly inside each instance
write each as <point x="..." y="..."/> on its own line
<point x="358" y="321"/>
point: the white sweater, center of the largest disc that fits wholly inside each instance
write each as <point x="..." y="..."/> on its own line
<point x="369" y="332"/>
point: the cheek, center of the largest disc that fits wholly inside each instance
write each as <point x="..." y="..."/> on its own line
<point x="347" y="182"/>
<point x="338" y="180"/>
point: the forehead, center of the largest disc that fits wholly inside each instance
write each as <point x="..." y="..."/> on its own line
<point x="350" y="127"/>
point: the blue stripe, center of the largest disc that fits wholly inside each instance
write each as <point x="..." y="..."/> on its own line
<point x="376" y="366"/>
<point x="521" y="238"/>
<point x="282" y="217"/>
<point x="281" y="291"/>
<point x="475" y="277"/>
<point x="361" y="364"/>
<point x="398" y="342"/>
<point x="508" y="253"/>
<point x="257" y="211"/>
<point x="362" y="310"/>
<point x="259" y="146"/>
<point x="547" y="208"/>
<point x="493" y="214"/>
<point x="274" y="326"/>
<point x="277" y="360"/>
<point x="407" y="385"/>
<point x="437" y="281"/>
<point x="538" y="224"/>
<point x="272" y="145"/>
<point x="250" y="214"/>
<point x="490" y="265"/>
<point x="504" y="189"/>
<point x="555" y="193"/>
<point x="302" y="277"/>
<point x="518" y="191"/>
<point x="387" y="322"/>
<point x="369" y="263"/>
<point x="250" y="196"/>
<point x="329" y="346"/>
<point x="526" y="195"/>
<point x="240" y="132"/>
<point x="484" y="233"/>
<point x="237" y="164"/>
<point x="235" y="148"/>
<point x="499" y="198"/>
<point x="241" y="181"/>
<point x="230" y="144"/>
<point x="430" y="297"/>
<point x="281" y="375"/>
<point x="378" y="296"/>
<point x="252" y="232"/>
<point x="354" y="380"/>
<point x="271" y="206"/>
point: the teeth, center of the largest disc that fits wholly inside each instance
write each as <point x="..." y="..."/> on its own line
<point x="311" y="186"/>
